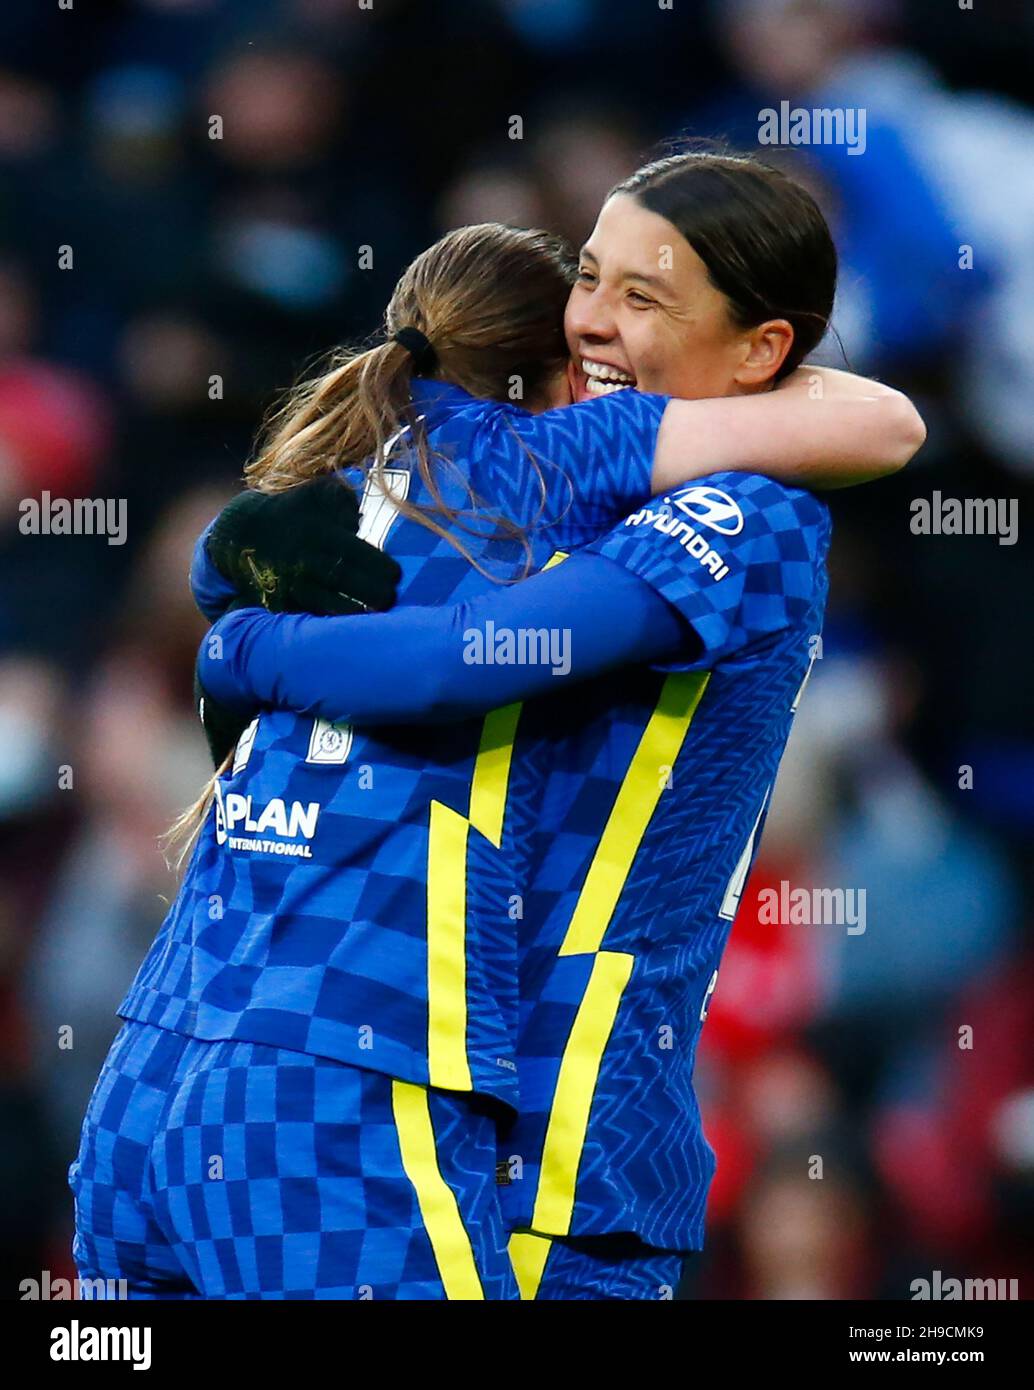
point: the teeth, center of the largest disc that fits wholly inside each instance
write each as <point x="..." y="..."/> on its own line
<point x="595" y="387"/>
<point x="600" y="371"/>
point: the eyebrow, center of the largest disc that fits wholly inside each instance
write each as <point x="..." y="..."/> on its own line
<point x="654" y="281"/>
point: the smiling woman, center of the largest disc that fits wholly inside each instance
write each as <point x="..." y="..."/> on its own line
<point x="381" y="986"/>
<point x="705" y="275"/>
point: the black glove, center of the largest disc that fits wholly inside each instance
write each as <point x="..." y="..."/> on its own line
<point x="298" y="552"/>
<point x="292" y="552"/>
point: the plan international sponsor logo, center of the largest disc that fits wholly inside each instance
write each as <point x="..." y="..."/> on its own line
<point x="293" y="824"/>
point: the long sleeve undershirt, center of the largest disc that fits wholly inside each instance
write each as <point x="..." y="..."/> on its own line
<point x="417" y="665"/>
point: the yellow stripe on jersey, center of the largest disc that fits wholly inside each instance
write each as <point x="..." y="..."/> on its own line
<point x="528" y="1256"/>
<point x="447" y="1062"/>
<point x="579" y="1070"/>
<point x="448" y="1065"/>
<point x="492" y="766"/>
<point x="439" y="1208"/>
<point x="633" y="807"/>
<point x="492" y="772"/>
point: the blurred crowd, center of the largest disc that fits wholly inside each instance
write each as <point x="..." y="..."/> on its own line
<point x="197" y="196"/>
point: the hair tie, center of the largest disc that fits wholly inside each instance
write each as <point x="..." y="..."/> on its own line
<point x="425" y="359"/>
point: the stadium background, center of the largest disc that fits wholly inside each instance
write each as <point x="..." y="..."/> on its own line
<point x="235" y="259"/>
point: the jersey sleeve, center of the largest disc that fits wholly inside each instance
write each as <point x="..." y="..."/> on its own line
<point x="738" y="556"/>
<point x="577" y="469"/>
<point x="416" y="665"/>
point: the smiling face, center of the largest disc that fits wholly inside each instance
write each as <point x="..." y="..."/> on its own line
<point x="644" y="313"/>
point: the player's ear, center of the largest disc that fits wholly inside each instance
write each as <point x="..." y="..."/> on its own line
<point x="764" y="351"/>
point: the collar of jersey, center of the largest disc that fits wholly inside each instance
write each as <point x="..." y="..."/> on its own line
<point x="437" y="400"/>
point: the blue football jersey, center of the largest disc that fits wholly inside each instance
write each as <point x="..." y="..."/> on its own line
<point x="347" y="896"/>
<point x="636" y="804"/>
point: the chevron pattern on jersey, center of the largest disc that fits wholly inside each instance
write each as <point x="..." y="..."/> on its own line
<point x="644" y="1164"/>
<point x="302" y="921"/>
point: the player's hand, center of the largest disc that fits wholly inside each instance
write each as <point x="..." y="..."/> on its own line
<point x="298" y="552"/>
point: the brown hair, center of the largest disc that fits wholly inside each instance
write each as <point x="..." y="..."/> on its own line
<point x="490" y="300"/>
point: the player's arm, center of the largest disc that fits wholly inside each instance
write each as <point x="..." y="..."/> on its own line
<point x="638" y="594"/>
<point x="820" y="429"/>
<point x="431" y="664"/>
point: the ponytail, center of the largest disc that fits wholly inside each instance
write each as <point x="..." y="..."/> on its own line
<point x="485" y="306"/>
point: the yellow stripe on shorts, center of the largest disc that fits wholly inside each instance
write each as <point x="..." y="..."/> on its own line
<point x="439" y="1209"/>
<point x="572" y="1100"/>
<point x="528" y="1256"/>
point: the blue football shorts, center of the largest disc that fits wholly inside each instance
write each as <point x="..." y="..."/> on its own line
<point x="236" y="1170"/>
<point x="601" y="1268"/>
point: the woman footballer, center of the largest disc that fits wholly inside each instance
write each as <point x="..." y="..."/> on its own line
<point x="320" y="1049"/>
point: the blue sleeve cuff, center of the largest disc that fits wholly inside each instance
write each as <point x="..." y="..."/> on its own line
<point x="212" y="593"/>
